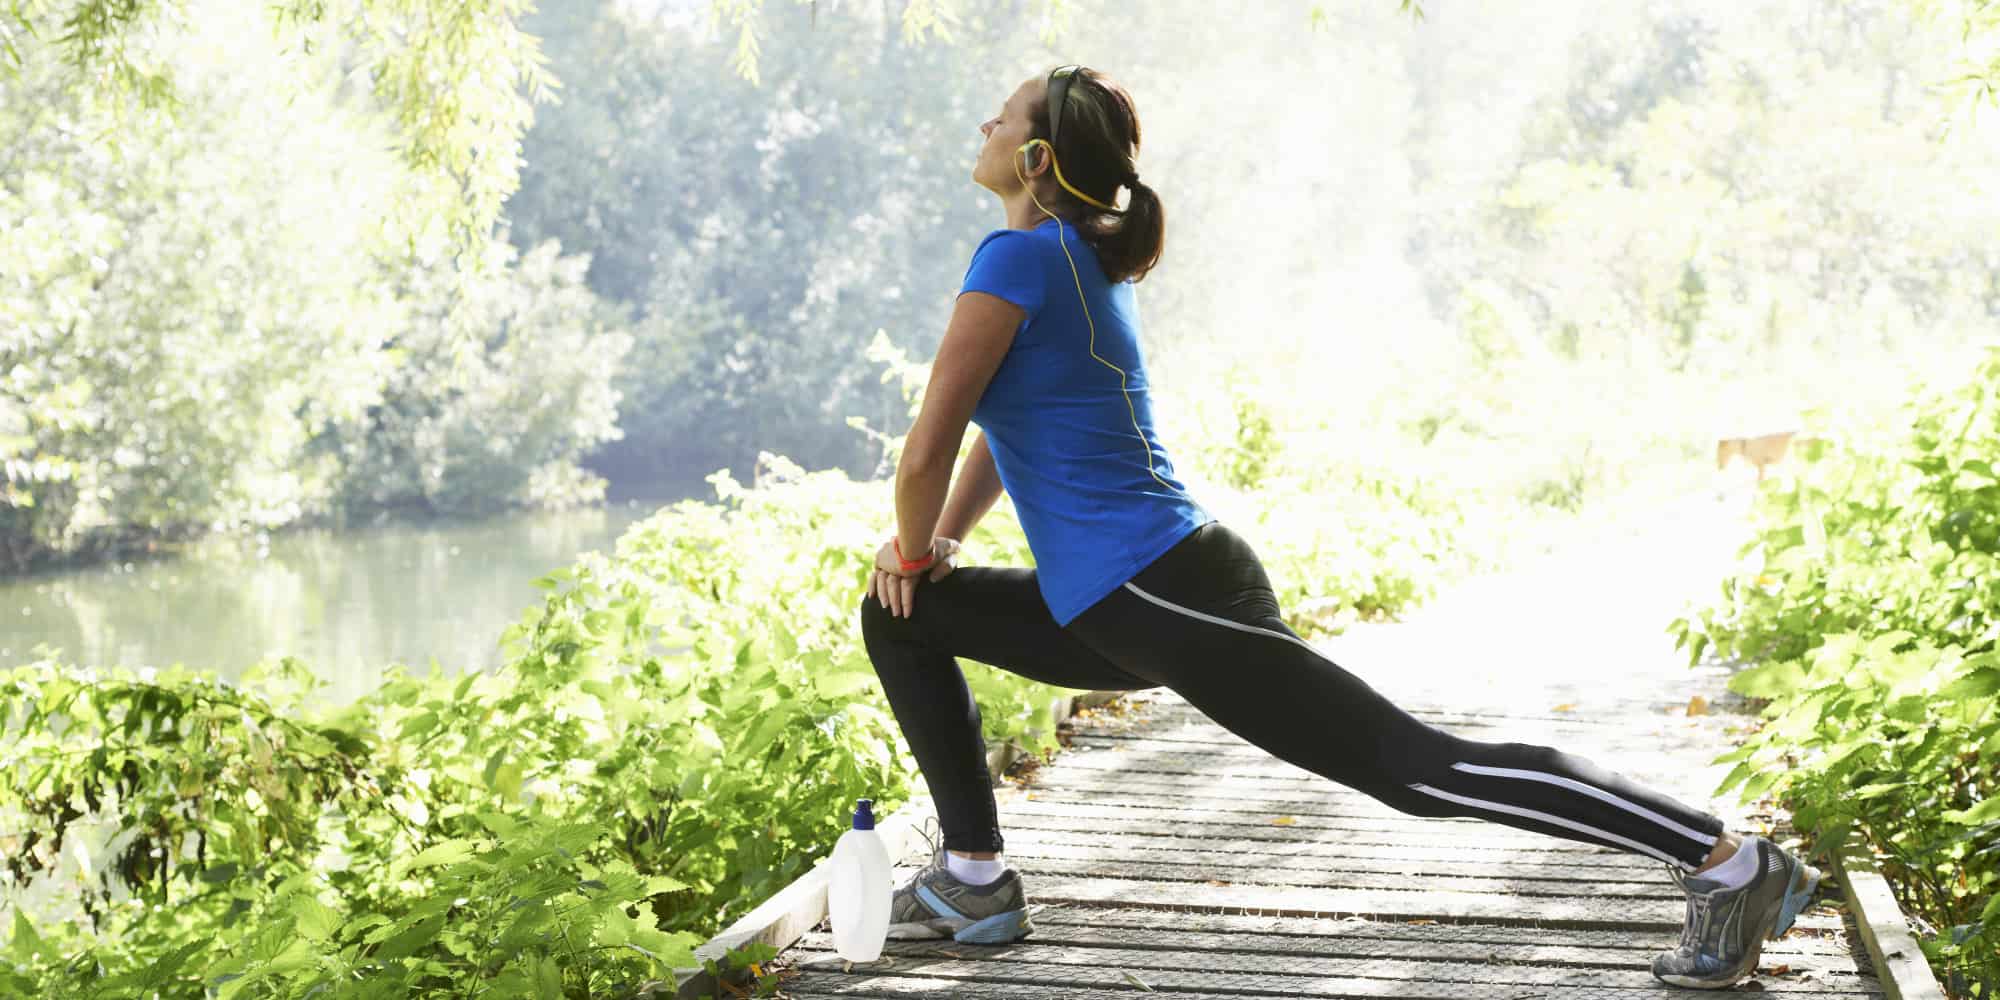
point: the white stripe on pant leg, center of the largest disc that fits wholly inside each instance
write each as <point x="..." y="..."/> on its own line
<point x="1571" y="824"/>
<point x="1226" y="623"/>
<point x="1426" y="789"/>
<point x="1591" y="790"/>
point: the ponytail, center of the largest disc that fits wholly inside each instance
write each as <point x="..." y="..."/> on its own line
<point x="1128" y="244"/>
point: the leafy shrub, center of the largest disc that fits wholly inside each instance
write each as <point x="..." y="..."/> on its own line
<point x="1868" y="603"/>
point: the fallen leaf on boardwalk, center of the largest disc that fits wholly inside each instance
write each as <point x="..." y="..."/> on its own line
<point x="1782" y="970"/>
<point x="1420" y="920"/>
<point x="1136" y="981"/>
<point x="1217" y="881"/>
<point x="1564" y="707"/>
<point x="1697" y="705"/>
<point x="1031" y="795"/>
<point x="1283" y="821"/>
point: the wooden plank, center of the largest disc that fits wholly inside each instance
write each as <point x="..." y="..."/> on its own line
<point x="1302" y="810"/>
<point x="1038" y="849"/>
<point x="1241" y="873"/>
<point x="1268" y="975"/>
<point x="821" y="986"/>
<point x="1325" y="853"/>
<point x="1471" y="834"/>
<point x="1615" y="742"/>
<point x="1172" y="814"/>
<point x="1199" y="949"/>
<point x="1640" y="765"/>
<point x="1331" y="932"/>
<point x="1380" y="904"/>
<point x="1897" y="958"/>
<point x="1113" y="767"/>
<point x="1144" y="791"/>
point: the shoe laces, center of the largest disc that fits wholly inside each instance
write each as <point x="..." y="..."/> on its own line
<point x="1695" y="928"/>
<point x="933" y="835"/>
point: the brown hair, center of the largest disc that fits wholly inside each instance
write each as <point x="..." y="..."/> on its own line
<point x="1100" y="139"/>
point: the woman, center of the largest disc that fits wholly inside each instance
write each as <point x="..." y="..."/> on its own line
<point x="1136" y="585"/>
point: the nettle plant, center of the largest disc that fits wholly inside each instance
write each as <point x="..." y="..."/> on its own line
<point x="1867" y="604"/>
<point x="679" y="729"/>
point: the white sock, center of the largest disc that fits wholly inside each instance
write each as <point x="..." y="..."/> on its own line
<point x="1741" y="866"/>
<point x="971" y="871"/>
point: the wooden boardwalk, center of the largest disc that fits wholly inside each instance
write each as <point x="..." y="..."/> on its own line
<point x="1163" y="854"/>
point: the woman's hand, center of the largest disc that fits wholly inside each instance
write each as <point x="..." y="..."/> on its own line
<point x="896" y="589"/>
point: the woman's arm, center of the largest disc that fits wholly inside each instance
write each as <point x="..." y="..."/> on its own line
<point x="977" y="489"/>
<point x="975" y="342"/>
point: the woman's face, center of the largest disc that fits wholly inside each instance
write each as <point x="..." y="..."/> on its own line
<point x="1005" y="132"/>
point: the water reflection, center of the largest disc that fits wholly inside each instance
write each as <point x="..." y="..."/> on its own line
<point x="347" y="602"/>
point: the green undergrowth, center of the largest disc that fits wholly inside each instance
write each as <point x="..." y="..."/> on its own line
<point x="677" y="731"/>
<point x="1867" y="609"/>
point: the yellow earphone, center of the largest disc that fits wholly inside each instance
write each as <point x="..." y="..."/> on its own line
<point x="1025" y="150"/>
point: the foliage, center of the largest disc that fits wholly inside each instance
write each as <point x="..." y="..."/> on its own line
<point x="664" y="748"/>
<point x="1869" y="605"/>
<point x="202" y="328"/>
<point x="1654" y="217"/>
<point x="760" y="234"/>
<point x="459" y="80"/>
<point x="499" y="381"/>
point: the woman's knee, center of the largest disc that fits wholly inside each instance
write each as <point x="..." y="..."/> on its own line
<point x="876" y="620"/>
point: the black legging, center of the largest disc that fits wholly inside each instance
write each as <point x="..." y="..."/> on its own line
<point x="1203" y="620"/>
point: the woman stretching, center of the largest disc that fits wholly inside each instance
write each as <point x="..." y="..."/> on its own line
<point x="1135" y="585"/>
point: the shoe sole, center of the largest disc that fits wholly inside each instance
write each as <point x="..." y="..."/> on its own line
<point x="1001" y="928"/>
<point x="1796" y="897"/>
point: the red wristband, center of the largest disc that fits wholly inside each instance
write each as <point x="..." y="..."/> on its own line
<point x="911" y="566"/>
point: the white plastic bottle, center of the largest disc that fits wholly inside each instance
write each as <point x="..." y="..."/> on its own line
<point x="858" y="888"/>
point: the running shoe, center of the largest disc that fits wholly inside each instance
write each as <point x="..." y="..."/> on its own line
<point x="1726" y="927"/>
<point x="935" y="904"/>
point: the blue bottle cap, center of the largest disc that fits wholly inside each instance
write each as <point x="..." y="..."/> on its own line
<point x="864" y="814"/>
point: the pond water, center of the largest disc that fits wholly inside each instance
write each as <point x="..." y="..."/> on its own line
<point x="348" y="602"/>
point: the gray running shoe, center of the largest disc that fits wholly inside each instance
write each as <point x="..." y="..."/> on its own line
<point x="936" y="904"/>
<point x="1726" y="927"/>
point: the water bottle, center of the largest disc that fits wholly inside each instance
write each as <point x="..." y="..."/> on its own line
<point x="857" y="889"/>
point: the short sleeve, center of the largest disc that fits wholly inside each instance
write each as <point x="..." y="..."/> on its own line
<point x="1007" y="265"/>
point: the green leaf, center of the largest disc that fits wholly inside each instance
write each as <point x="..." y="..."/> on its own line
<point x="843" y="685"/>
<point x="1879" y="789"/>
<point x="1978" y="684"/>
<point x="412" y="939"/>
<point x="315" y="920"/>
<point x="703" y="734"/>
<point x="1770" y="680"/>
<point x="418" y="725"/>
<point x="1979" y="815"/>
<point x="27" y="944"/>
<point x="548" y="979"/>
<point x="508" y="781"/>
<point x="444" y="852"/>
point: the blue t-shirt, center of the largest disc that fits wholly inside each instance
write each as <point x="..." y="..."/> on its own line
<point x="1070" y="422"/>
